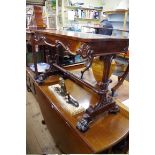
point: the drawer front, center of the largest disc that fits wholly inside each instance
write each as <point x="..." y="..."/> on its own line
<point x="65" y="137"/>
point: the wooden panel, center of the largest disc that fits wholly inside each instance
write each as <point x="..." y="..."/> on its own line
<point x="101" y="44"/>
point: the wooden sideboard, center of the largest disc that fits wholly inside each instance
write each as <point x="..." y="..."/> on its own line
<point x="103" y="134"/>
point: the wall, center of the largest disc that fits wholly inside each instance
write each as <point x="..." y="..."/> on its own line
<point x="115" y="4"/>
<point x="93" y="3"/>
<point x="117" y="19"/>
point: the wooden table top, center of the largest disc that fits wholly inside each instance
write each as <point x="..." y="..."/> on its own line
<point x="100" y="44"/>
<point x="80" y="36"/>
<point x="104" y="132"/>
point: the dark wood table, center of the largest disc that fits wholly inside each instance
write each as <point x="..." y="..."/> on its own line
<point x="88" y="46"/>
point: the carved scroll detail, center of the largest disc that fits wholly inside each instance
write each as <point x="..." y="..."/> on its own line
<point x="42" y="39"/>
<point x="66" y="48"/>
<point x="86" y="52"/>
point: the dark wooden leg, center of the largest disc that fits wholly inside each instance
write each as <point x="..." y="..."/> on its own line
<point x="120" y="80"/>
<point x="56" y="56"/>
<point x="34" y="56"/>
<point x="105" y="103"/>
<point x="88" y="65"/>
<point x="86" y="52"/>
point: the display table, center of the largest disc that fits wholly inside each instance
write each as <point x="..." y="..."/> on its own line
<point x="102" y="135"/>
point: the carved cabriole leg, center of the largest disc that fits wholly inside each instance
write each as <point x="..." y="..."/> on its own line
<point x="89" y="63"/>
<point x="105" y="103"/>
<point x="86" y="52"/>
<point x="105" y="98"/>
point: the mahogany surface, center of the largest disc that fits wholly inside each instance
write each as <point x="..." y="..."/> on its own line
<point x="103" y="133"/>
<point x="101" y="44"/>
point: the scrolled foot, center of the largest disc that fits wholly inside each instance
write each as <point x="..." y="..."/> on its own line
<point x="114" y="110"/>
<point x="83" y="124"/>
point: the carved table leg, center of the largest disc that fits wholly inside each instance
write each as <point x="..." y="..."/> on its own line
<point x="51" y="71"/>
<point x="105" y="103"/>
<point x="120" y="80"/>
<point x="89" y="63"/>
<point x="86" y="52"/>
<point x="51" y="58"/>
<point x="34" y="55"/>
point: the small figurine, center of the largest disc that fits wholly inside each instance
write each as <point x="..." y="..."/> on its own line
<point x="72" y="101"/>
<point x="63" y="92"/>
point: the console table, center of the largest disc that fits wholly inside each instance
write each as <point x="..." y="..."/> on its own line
<point x="87" y="46"/>
<point x="96" y="129"/>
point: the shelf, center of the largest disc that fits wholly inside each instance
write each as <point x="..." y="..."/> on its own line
<point x="87" y="19"/>
<point x="35" y="2"/>
<point x="82" y="8"/>
<point x="115" y="11"/>
<point x="120" y="21"/>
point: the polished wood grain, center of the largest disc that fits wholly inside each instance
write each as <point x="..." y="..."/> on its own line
<point x="103" y="134"/>
<point x="101" y="44"/>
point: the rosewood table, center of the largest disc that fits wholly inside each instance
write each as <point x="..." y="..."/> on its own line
<point x="87" y="46"/>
